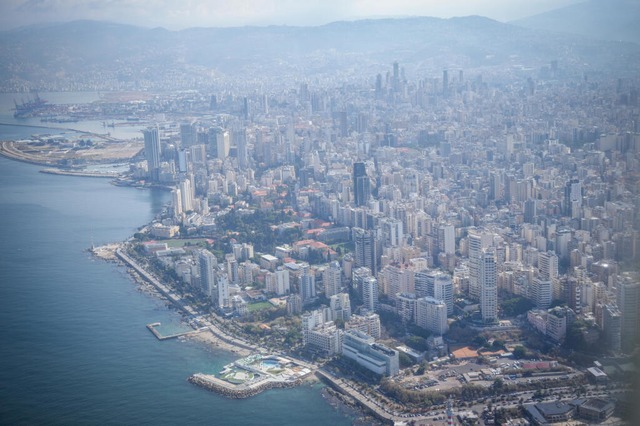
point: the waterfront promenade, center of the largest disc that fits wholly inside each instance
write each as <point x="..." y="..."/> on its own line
<point x="219" y="337"/>
<point x="364" y="401"/>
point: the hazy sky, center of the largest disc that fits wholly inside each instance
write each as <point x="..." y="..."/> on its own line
<point x="178" y="14"/>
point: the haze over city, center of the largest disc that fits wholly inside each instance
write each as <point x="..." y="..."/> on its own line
<point x="176" y="14"/>
<point x="409" y="213"/>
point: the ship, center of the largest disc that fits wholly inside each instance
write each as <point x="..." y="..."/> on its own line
<point x="30" y="107"/>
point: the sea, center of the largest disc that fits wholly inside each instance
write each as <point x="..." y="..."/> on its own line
<point x="74" y="349"/>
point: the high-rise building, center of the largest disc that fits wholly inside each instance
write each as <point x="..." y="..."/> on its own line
<point x="340" y="305"/>
<point x="530" y="211"/>
<point x="542" y="293"/>
<point x="392" y="232"/>
<point x="572" y="198"/>
<point x="447" y="239"/>
<point x="406" y="306"/>
<point x="443" y="290"/>
<point x="176" y="200"/>
<point x="222" y="299"/>
<point x="477" y="241"/>
<point x="308" y="287"/>
<point x="368" y="323"/>
<point x="487" y="278"/>
<point x="445" y="82"/>
<point x="222" y="144"/>
<point x="332" y="279"/>
<point x="187" y="195"/>
<point x="548" y="266"/>
<point x="361" y="184"/>
<point x="208" y="265"/>
<point x="628" y="304"/>
<point x="282" y="281"/>
<point x="358" y="275"/>
<point x="431" y="314"/>
<point x="188" y="134"/>
<point x="152" y="152"/>
<point x="370" y="294"/>
<point x="367" y="252"/>
<point x="294" y="304"/>
<point x="240" y="139"/>
<point x="612" y="327"/>
<point x="424" y="282"/>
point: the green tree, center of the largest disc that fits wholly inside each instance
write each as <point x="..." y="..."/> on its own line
<point x="519" y="352"/>
<point x="405" y="360"/>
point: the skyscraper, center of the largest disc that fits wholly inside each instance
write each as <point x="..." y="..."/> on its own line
<point x="542" y="293"/>
<point x="370" y="293"/>
<point x="443" y="290"/>
<point x="445" y="82"/>
<point x="176" y="199"/>
<point x="478" y="240"/>
<point x="548" y="265"/>
<point x="447" y="239"/>
<point x="240" y="138"/>
<point x="628" y="303"/>
<point x="207" y="263"/>
<point x="222" y="298"/>
<point x="361" y="184"/>
<point x="340" y="305"/>
<point x="366" y="243"/>
<point x="187" y="195"/>
<point x="152" y="152"/>
<point x="332" y="279"/>
<point x="488" y="286"/>
<point x="187" y="134"/>
<point x="307" y="287"/>
<point x="222" y="144"/>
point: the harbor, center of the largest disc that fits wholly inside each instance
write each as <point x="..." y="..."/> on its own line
<point x="251" y="375"/>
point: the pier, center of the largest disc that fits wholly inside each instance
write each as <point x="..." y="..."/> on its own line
<point x="153" y="328"/>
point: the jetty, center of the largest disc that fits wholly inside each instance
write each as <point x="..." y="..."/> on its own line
<point x="229" y="390"/>
<point x="251" y="375"/>
<point x="153" y="327"/>
<point x="80" y="173"/>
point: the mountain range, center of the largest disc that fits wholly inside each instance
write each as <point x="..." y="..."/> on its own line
<point x="102" y="55"/>
<point x="614" y="20"/>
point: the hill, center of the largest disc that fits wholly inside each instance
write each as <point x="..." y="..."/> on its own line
<point x="614" y="20"/>
<point x="105" y="56"/>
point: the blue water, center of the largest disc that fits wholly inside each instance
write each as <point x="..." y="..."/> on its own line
<point x="74" y="348"/>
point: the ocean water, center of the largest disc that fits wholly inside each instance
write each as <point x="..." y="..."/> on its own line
<point x="74" y="348"/>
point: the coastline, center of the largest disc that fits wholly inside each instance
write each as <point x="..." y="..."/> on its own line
<point x="210" y="335"/>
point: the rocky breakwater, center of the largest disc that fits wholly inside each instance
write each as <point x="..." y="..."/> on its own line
<point x="229" y="390"/>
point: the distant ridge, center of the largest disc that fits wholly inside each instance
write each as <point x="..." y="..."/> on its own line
<point x="613" y="20"/>
<point x="93" y="52"/>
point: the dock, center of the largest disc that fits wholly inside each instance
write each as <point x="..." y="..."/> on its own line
<point x="153" y="327"/>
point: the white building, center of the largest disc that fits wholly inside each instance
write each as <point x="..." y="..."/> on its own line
<point x="487" y="278"/>
<point x="362" y="349"/>
<point x="370" y="294"/>
<point x="443" y="290"/>
<point x="340" y="306"/>
<point x="431" y="314"/>
<point x="332" y="279"/>
<point x="368" y="323"/>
